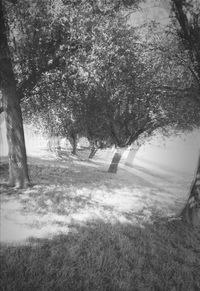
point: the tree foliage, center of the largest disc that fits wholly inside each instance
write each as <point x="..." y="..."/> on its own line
<point x="186" y="18"/>
<point x="103" y="92"/>
<point x="86" y="71"/>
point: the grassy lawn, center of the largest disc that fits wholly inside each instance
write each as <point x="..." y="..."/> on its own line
<point x="108" y="233"/>
<point x="101" y="256"/>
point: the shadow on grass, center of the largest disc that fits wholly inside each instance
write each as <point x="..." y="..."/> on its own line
<point x="104" y="256"/>
<point x="90" y="173"/>
<point x="65" y="192"/>
<point x="62" y="189"/>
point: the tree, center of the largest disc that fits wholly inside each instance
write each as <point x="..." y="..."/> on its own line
<point x="105" y="93"/>
<point x="40" y="45"/>
<point x="36" y="40"/>
<point x="120" y="107"/>
<point x="18" y="170"/>
<point x="80" y="92"/>
<point x="190" y="212"/>
<point x="51" y="36"/>
<point x="187" y="15"/>
<point x="45" y="35"/>
<point x="133" y="108"/>
<point x="187" y="19"/>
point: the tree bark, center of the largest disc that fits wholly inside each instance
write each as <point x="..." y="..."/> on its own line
<point x="93" y="150"/>
<point x="73" y="141"/>
<point x="92" y="153"/>
<point x="115" y="161"/>
<point x="191" y="212"/>
<point x="18" y="170"/>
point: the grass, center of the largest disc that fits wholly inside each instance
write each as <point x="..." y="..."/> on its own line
<point x="102" y="256"/>
<point x="95" y="254"/>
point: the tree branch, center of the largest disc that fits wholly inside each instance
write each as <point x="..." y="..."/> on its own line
<point x="190" y="68"/>
<point x="194" y="93"/>
<point x="134" y="137"/>
<point x="34" y="77"/>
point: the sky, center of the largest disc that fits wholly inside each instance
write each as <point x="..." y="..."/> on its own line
<point x="157" y="10"/>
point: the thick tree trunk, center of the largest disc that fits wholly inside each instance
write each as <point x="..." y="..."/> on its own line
<point x="191" y="211"/>
<point x="115" y="161"/>
<point x="18" y="170"/>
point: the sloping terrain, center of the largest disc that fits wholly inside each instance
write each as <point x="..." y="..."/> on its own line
<point x="70" y="189"/>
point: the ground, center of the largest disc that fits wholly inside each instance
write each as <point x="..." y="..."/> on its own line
<point x="71" y="189"/>
<point x="81" y="228"/>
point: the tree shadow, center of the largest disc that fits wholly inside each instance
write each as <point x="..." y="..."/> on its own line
<point x="102" y="256"/>
<point x="66" y="193"/>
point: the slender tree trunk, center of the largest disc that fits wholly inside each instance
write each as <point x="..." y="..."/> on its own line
<point x="73" y="141"/>
<point x="191" y="211"/>
<point x="115" y="161"/>
<point x="92" y="153"/>
<point x="58" y="147"/>
<point x="93" y="150"/>
<point x="49" y="144"/>
<point x="18" y="170"/>
<point x="131" y="155"/>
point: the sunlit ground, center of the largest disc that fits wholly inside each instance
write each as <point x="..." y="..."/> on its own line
<point x="68" y="190"/>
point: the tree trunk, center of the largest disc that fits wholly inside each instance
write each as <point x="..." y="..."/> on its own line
<point x="92" y="153"/>
<point x="49" y="144"/>
<point x="115" y="161"/>
<point x="93" y="150"/>
<point x="131" y="155"/>
<point x="57" y="146"/>
<point x="73" y="142"/>
<point x="191" y="212"/>
<point x="18" y="170"/>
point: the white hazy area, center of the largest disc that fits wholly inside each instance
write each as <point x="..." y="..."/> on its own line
<point x="158" y="180"/>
